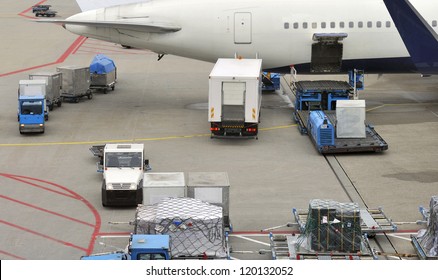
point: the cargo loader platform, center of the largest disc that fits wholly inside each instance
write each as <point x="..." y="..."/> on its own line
<point x="372" y="143"/>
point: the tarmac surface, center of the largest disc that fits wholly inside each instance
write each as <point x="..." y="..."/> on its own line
<point x="50" y="190"/>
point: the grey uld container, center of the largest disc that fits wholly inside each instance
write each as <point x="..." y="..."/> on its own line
<point x="53" y="85"/>
<point x="159" y="185"/>
<point x="75" y="80"/>
<point x="212" y="187"/>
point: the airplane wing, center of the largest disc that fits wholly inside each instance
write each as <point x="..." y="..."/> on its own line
<point x="148" y="27"/>
<point x="418" y="36"/>
<point x="87" y="5"/>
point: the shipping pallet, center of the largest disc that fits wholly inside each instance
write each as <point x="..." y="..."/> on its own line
<point x="373" y="221"/>
<point x="285" y="247"/>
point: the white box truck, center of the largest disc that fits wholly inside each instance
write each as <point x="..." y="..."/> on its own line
<point x="235" y="96"/>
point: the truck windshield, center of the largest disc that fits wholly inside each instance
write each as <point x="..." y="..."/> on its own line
<point x="32" y="108"/>
<point x="151" y="256"/>
<point x="123" y="159"/>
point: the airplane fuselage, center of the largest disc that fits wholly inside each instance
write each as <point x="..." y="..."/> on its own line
<point x="278" y="31"/>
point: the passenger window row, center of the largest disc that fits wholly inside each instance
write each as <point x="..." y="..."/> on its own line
<point x="350" y="24"/>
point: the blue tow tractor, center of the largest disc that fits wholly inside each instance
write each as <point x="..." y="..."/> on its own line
<point x="335" y="123"/>
<point x="141" y="247"/>
<point x="31" y="114"/>
<point x="270" y="81"/>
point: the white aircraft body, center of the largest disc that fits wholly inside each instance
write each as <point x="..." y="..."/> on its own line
<point x="281" y="32"/>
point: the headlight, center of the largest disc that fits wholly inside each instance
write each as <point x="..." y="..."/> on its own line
<point x="133" y="187"/>
<point x="109" y="187"/>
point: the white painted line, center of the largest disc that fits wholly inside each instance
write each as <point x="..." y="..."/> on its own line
<point x="252" y="240"/>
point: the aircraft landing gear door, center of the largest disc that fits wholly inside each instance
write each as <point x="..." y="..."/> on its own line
<point x="327" y="52"/>
<point x="242" y="28"/>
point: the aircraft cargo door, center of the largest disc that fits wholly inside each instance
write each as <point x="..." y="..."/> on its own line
<point x="242" y="28"/>
<point x="233" y="103"/>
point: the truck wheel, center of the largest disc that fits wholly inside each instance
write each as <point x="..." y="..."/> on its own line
<point x="90" y="96"/>
<point x="59" y="103"/>
<point x="104" y="198"/>
<point x="46" y="117"/>
<point x="76" y="100"/>
<point x="51" y="107"/>
<point x="105" y="91"/>
<point x="113" y="87"/>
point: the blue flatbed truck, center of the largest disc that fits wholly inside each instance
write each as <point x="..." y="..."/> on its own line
<point x="315" y="115"/>
<point x="31" y="115"/>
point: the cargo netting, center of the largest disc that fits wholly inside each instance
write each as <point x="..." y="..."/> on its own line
<point x="332" y="227"/>
<point x="428" y="238"/>
<point x="195" y="227"/>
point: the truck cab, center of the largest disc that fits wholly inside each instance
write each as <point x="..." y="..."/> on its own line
<point x="123" y="172"/>
<point x="34" y="88"/>
<point x="31" y="114"/>
<point x="141" y="247"/>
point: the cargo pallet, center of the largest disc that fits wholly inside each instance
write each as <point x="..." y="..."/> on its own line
<point x="419" y="249"/>
<point x="373" y="221"/>
<point x="283" y="247"/>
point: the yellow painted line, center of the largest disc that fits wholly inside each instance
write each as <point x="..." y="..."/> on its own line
<point x="123" y="140"/>
<point x="401" y="104"/>
<point x="278" y="127"/>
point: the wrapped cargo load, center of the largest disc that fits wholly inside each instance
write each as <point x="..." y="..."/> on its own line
<point x="195" y="227"/>
<point x="428" y="238"/>
<point x="332" y="227"/>
<point x="103" y="73"/>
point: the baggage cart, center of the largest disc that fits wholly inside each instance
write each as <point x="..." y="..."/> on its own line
<point x="75" y="83"/>
<point x="103" y="73"/>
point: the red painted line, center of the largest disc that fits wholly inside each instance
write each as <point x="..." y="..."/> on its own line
<point x="264" y="232"/>
<point x="39" y="186"/>
<point x="46" y="211"/>
<point x="43" y="235"/>
<point x="73" y="48"/>
<point x="11" y="255"/>
<point x="97" y="218"/>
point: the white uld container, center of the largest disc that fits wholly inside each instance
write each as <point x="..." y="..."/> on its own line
<point x="350" y="119"/>
<point x="159" y="185"/>
<point x="212" y="187"/>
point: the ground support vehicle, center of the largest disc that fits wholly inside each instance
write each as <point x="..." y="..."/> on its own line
<point x="75" y="83"/>
<point x="46" y="13"/>
<point x="122" y="166"/>
<point x="175" y="229"/>
<point x="425" y="242"/>
<point x="271" y="81"/>
<point x="103" y="73"/>
<point x="140" y="247"/>
<point x="32" y="88"/>
<point x="331" y="230"/>
<point x="319" y="113"/>
<point x="31" y="115"/>
<point x="53" y="87"/>
<point x="234" y="98"/>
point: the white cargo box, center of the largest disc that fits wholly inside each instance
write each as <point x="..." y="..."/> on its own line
<point x="350" y="119"/>
<point x="159" y="185"/>
<point x="32" y="87"/>
<point x="235" y="82"/>
<point x="212" y="187"/>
